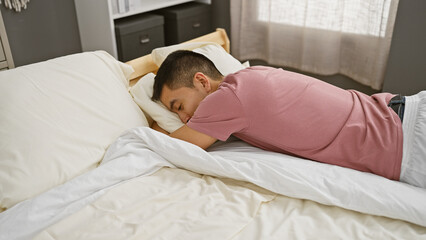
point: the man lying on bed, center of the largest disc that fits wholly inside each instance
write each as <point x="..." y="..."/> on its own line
<point x="291" y="113"/>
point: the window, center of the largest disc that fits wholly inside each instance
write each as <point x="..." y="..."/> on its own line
<point x="349" y="16"/>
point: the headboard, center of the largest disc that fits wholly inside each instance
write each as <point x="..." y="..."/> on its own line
<point x="144" y="64"/>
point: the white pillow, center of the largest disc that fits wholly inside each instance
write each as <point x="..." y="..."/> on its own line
<point x="57" y="118"/>
<point x="159" y="54"/>
<point x="246" y="64"/>
<point x="223" y="61"/>
<point x="142" y="91"/>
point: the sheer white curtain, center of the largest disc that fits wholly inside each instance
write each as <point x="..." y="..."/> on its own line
<point x="350" y="37"/>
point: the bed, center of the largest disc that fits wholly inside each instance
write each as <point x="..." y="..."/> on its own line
<point x="78" y="160"/>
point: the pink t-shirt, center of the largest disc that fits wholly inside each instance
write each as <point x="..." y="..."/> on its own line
<point x="295" y="114"/>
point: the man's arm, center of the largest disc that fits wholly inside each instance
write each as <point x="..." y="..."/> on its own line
<point x="195" y="137"/>
<point x="189" y="135"/>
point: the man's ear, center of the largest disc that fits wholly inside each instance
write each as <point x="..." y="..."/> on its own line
<point x="203" y="80"/>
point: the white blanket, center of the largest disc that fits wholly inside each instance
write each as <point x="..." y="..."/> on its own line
<point x="142" y="151"/>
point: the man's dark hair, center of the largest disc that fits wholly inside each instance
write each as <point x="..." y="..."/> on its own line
<point x="179" y="69"/>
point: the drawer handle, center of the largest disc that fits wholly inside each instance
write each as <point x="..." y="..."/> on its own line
<point x="196" y="25"/>
<point x="145" y="40"/>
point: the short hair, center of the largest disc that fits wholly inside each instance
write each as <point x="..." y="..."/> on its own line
<point x="179" y="69"/>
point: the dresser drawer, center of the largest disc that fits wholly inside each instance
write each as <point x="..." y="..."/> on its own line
<point x="138" y="35"/>
<point x="186" y="21"/>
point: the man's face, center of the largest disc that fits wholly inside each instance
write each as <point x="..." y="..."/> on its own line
<point x="183" y="101"/>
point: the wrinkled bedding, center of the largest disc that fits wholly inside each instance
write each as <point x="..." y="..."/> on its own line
<point x="138" y="191"/>
<point x="179" y="204"/>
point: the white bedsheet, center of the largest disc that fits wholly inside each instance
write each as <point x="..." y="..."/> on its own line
<point x="142" y="151"/>
<point x="178" y="204"/>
